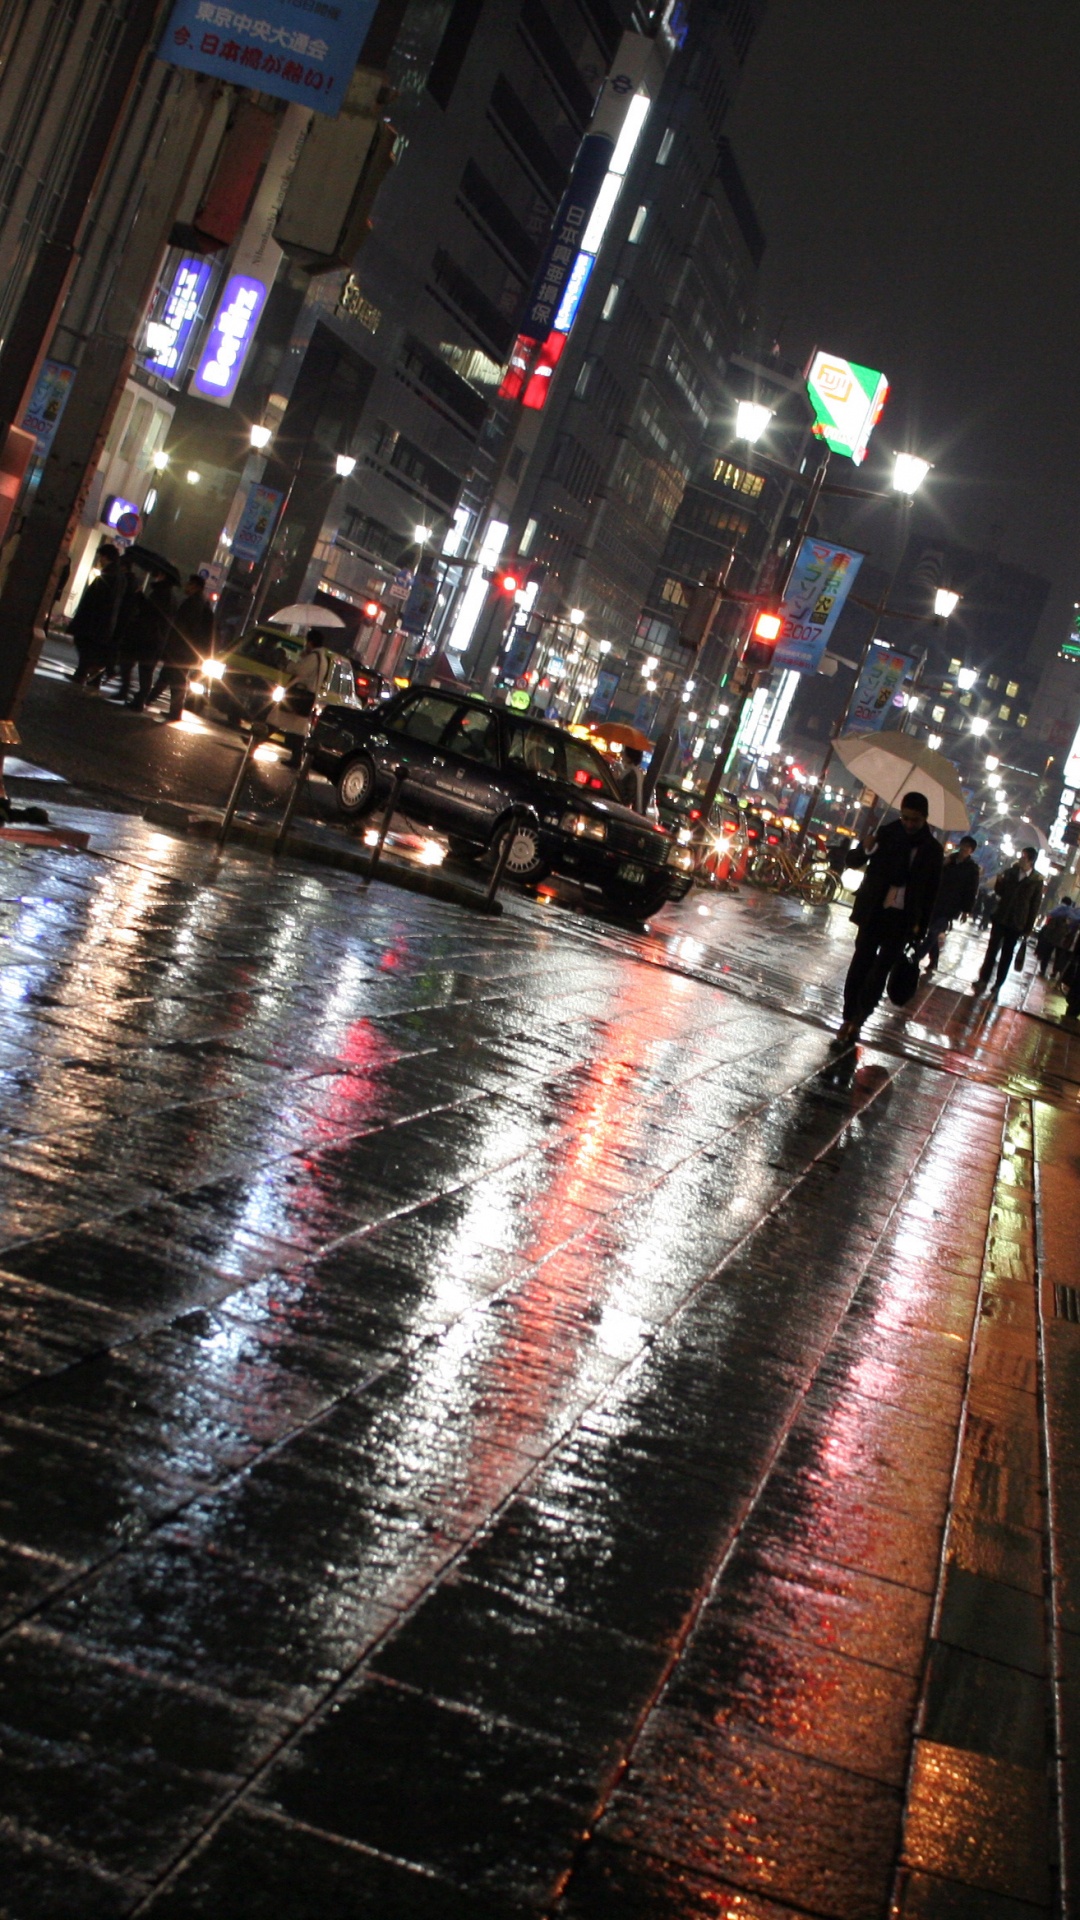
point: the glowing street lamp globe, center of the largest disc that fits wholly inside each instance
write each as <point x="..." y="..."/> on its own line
<point x="751" y="420"/>
<point x="909" y="473"/>
<point x="979" y="725"/>
<point x="945" y="602"/>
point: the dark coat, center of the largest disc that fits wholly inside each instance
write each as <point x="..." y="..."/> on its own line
<point x="1019" y="898"/>
<point x="957" y="889"/>
<point x="900" y="859"/>
<point x="95" y="616"/>
<point x="146" y="624"/>
<point x="191" y="632"/>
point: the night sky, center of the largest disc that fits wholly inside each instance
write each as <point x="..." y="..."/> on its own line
<point x="915" y="168"/>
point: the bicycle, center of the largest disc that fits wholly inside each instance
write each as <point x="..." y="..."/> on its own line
<point x="811" y="877"/>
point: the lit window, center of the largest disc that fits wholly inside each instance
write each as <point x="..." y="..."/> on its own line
<point x="1013" y="689"/>
<point x="954" y="666"/>
<point x="1004" y="712"/>
<point x="938" y="713"/>
<point x="581" y="384"/>
<point x="993" y="683"/>
<point x="638" y="227"/>
<point x="674" y="591"/>
<point x="527" y="537"/>
<point x="666" y="145"/>
<point x="610" y="299"/>
<point x="965" y="699"/>
<point x="727" y="474"/>
<point x="1021" y="719"/>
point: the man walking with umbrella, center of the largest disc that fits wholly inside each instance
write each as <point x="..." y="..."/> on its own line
<point x="892" y="907"/>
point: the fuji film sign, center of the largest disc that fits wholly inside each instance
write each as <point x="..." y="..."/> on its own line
<point x="847" y="401"/>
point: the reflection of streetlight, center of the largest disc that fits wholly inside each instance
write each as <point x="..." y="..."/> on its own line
<point x="909" y="473"/>
<point x="945" y="602"/>
<point x="751" y="420"/>
<point x="979" y="724"/>
<point x="966" y="679"/>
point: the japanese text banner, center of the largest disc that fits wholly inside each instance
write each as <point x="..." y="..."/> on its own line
<point x="820" y="582"/>
<point x="302" y="50"/>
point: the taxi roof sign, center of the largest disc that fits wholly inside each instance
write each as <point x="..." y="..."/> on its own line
<point x="847" y="402"/>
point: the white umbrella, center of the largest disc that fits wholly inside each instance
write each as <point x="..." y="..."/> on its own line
<point x="891" y="763"/>
<point x="306" y="614"/>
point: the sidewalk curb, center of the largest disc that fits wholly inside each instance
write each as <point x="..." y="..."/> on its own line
<point x="204" y="823"/>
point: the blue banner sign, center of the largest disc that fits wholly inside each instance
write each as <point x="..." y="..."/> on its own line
<point x="875" y="695"/>
<point x="232" y="331"/>
<point x="256" y="523"/>
<point x="550" y="283"/>
<point x="302" y="50"/>
<point x="820" y="582"/>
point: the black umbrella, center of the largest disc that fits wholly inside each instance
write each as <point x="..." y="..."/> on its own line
<point x="154" y="563"/>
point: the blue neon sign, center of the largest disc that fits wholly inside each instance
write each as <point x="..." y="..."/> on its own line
<point x="232" y="331"/>
<point x="167" y="337"/>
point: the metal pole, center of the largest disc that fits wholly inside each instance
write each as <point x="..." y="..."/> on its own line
<point x="298" y="786"/>
<point x="241" y="775"/>
<point x="400" y="775"/>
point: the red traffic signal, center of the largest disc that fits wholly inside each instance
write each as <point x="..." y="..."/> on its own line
<point x="507" y="582"/>
<point x="767" y="626"/>
<point x="372" y="609"/>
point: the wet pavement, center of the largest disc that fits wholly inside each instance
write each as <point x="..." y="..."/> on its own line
<point x="497" y="1420"/>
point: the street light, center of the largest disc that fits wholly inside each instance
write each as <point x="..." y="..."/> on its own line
<point x="344" y="464"/>
<point x="933" y="741"/>
<point x="992" y="761"/>
<point x="260" y="437"/>
<point x="945" y="602"/>
<point x="192" y="477"/>
<point x="576" y="616"/>
<point x="966" y="679"/>
<point x="751" y="420"/>
<point x="909" y="473"/>
<point x="421" y="535"/>
<point x="979" y="725"/>
<point x="159" y="461"/>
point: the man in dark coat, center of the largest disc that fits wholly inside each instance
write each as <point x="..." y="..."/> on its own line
<point x="1019" y="897"/>
<point x="141" y="640"/>
<point x="190" y="636"/>
<point x="892" y="907"/>
<point x="956" y="895"/>
<point x="95" y="617"/>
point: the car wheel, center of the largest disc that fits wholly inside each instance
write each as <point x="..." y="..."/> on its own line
<point x="356" y="786"/>
<point x="464" y="849"/>
<point x="525" y="860"/>
<point x="637" y="903"/>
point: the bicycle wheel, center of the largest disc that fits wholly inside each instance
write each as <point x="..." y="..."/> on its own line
<point x="768" y="871"/>
<point x="813" y="884"/>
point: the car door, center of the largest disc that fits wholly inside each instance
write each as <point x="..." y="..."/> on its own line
<point x="466" y="772"/>
<point x="415" y="732"/>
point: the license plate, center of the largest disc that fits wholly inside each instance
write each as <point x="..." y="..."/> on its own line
<point x="634" y="874"/>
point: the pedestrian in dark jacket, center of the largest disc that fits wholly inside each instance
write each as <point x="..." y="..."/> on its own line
<point x="1055" y="937"/>
<point x="892" y="907"/>
<point x="1019" y="896"/>
<point x="189" y="637"/>
<point x="956" y="897"/>
<point x="141" y="640"/>
<point x="94" y="618"/>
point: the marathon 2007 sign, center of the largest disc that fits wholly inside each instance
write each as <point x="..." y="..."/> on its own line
<point x="820" y="582"/>
<point x="304" y="50"/>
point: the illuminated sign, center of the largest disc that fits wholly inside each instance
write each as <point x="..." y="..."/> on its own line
<point x="121" y="515"/>
<point x="519" y="701"/>
<point x="231" y="333"/>
<point x="293" y="48"/>
<point x="847" y="401"/>
<point x="1071" y="770"/>
<point x="560" y="259"/>
<point x="47" y="403"/>
<point x="256" y="522"/>
<point x="820" y="582"/>
<point x="1070" y="648"/>
<point x="167" y="336"/>
<point x="878" y="684"/>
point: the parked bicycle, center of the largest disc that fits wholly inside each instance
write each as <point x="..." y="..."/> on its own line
<point x="810" y="877"/>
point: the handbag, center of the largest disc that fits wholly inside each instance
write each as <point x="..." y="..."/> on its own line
<point x="1020" y="957"/>
<point x="903" y="978"/>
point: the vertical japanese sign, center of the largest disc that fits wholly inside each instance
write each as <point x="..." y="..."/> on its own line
<point x="820" y="583"/>
<point x="847" y="401"/>
<point x="878" y="684"/>
<point x="562" y="253"/>
<point x="168" y="334"/>
<point x="47" y="403"/>
<point x="256" y="522"/>
<point x="303" y="50"/>
<point x="232" y="330"/>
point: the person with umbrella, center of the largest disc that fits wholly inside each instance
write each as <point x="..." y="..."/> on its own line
<point x="1019" y="897"/>
<point x="892" y="907"/>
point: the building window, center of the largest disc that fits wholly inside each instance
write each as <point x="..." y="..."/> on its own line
<point x="965" y="699"/>
<point x="1021" y="719"/>
<point x="1012" y="689"/>
<point x="938" y="713"/>
<point x="993" y="683"/>
<point x="666" y="144"/>
<point x="638" y="227"/>
<point x="954" y="667"/>
<point x="527" y="537"/>
<point x="1004" y="712"/>
<point x="674" y="592"/>
<point x="726" y="474"/>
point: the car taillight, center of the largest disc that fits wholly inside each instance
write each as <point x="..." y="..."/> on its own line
<point x="695" y="813"/>
<point x="773" y="840"/>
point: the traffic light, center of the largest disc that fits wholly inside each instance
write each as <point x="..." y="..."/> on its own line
<point x="372" y="610"/>
<point x="507" y="582"/>
<point x="763" y="638"/>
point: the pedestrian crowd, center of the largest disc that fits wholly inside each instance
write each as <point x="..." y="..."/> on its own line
<point x="140" y="636"/>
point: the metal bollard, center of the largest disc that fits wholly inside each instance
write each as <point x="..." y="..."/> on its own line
<point x="401" y="773"/>
<point x="519" y="816"/>
<point x="254" y="738"/>
<point x="291" y="804"/>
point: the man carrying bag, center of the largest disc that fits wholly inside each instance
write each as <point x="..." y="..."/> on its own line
<point x="1019" y="896"/>
<point x="892" y="907"/>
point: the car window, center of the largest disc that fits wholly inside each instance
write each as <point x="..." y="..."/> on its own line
<point x="344" y="684"/>
<point x="585" y="769"/>
<point x="426" y="718"/>
<point x="278" y="651"/>
<point x="537" y="748"/>
<point x="475" y="735"/>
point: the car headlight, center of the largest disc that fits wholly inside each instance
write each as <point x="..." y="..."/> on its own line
<point x="213" y="670"/>
<point x="584" y="826"/>
<point x="677" y="856"/>
<point x="197" y="686"/>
